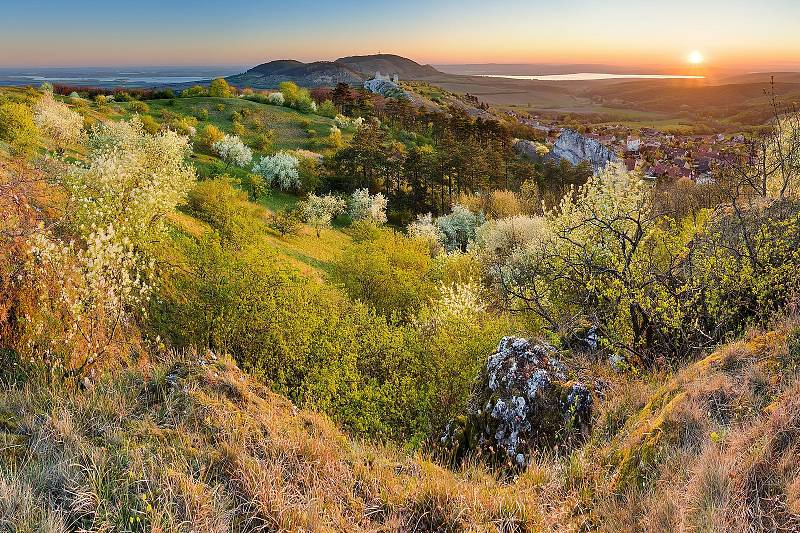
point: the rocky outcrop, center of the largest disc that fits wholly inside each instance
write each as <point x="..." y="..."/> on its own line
<point x="526" y="148"/>
<point x="574" y="147"/>
<point x="386" y="88"/>
<point x="524" y="399"/>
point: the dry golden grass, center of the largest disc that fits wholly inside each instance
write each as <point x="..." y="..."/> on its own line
<point x="196" y="446"/>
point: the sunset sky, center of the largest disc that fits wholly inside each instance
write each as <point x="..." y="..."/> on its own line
<point x="729" y="33"/>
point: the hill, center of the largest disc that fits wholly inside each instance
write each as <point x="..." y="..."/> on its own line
<point x="388" y="63"/>
<point x="352" y="70"/>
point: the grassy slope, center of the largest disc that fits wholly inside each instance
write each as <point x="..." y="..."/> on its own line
<point x="309" y="254"/>
<point x="194" y="444"/>
<point x="197" y="446"/>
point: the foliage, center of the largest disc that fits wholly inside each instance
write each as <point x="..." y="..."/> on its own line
<point x="388" y="271"/>
<point x="458" y="228"/>
<point x="17" y="128"/>
<point x="297" y="97"/>
<point x="319" y="211"/>
<point x="327" y="109"/>
<point x="285" y="221"/>
<point x="363" y="206"/>
<point x="219" y="88"/>
<point x="279" y="170"/>
<point x="232" y="150"/>
<point x="57" y="121"/>
<point x="210" y="135"/>
<point x="276" y="99"/>
<point x="193" y="91"/>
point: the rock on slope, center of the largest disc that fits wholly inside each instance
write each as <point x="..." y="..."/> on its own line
<point x="524" y="400"/>
<point x="575" y="148"/>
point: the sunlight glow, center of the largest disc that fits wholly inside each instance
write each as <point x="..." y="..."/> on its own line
<point x="695" y="57"/>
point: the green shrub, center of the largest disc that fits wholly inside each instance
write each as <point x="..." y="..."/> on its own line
<point x="388" y="271"/>
<point x="17" y="128"/>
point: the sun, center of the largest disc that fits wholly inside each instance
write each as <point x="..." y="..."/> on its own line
<point x="695" y="57"/>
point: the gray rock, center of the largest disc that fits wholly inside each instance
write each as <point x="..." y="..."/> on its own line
<point x="523" y="400"/>
<point x="575" y="148"/>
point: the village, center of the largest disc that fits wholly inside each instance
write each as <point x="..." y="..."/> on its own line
<point x="656" y="154"/>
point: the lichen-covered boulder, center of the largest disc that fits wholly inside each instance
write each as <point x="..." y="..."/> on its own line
<point x="523" y="399"/>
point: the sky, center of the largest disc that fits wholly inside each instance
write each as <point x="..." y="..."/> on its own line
<point x="750" y="35"/>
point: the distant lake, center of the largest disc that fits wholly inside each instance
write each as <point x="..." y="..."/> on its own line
<point x="583" y="76"/>
<point x="115" y="77"/>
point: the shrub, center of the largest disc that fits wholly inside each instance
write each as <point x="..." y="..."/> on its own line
<point x="279" y="170"/>
<point x="458" y="228"/>
<point x="276" y="99"/>
<point x="231" y="149"/>
<point x="286" y="222"/>
<point x="149" y="124"/>
<point x="297" y="97"/>
<point x="137" y="106"/>
<point x="193" y="91"/>
<point x="503" y="204"/>
<point x="219" y="88"/>
<point x="388" y="271"/>
<point x="362" y="206"/>
<point x="263" y="141"/>
<point x="17" y="128"/>
<point x="210" y="135"/>
<point x="327" y="109"/>
<point x="255" y="186"/>
<point x="57" y="121"/>
<point x="224" y="207"/>
<point x="319" y="211"/>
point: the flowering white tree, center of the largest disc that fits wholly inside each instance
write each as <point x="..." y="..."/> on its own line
<point x="363" y="206"/>
<point x="276" y="99"/>
<point x="425" y="228"/>
<point x="459" y="227"/>
<point x="132" y="180"/>
<point x="231" y="149"/>
<point x="57" y="121"/>
<point x="319" y="211"/>
<point x="280" y="170"/>
<point x="118" y="200"/>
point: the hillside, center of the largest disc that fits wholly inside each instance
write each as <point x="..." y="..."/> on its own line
<point x="351" y="70"/>
<point x="191" y="442"/>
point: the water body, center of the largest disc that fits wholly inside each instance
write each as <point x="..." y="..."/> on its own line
<point x="129" y="77"/>
<point x="583" y="76"/>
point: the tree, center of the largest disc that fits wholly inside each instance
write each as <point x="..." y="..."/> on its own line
<point x="220" y="88"/>
<point x="363" y="206"/>
<point x="280" y="170"/>
<point x="286" y="222"/>
<point x="319" y="211"/>
<point x="231" y="149"/>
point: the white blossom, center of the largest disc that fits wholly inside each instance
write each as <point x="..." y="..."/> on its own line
<point x="363" y="206"/>
<point x="57" y="121"/>
<point x="231" y="149"/>
<point x="276" y="99"/>
<point x="279" y="170"/>
<point x="319" y="211"/>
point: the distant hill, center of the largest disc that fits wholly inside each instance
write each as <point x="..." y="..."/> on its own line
<point x="389" y="63"/>
<point x="353" y="70"/>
